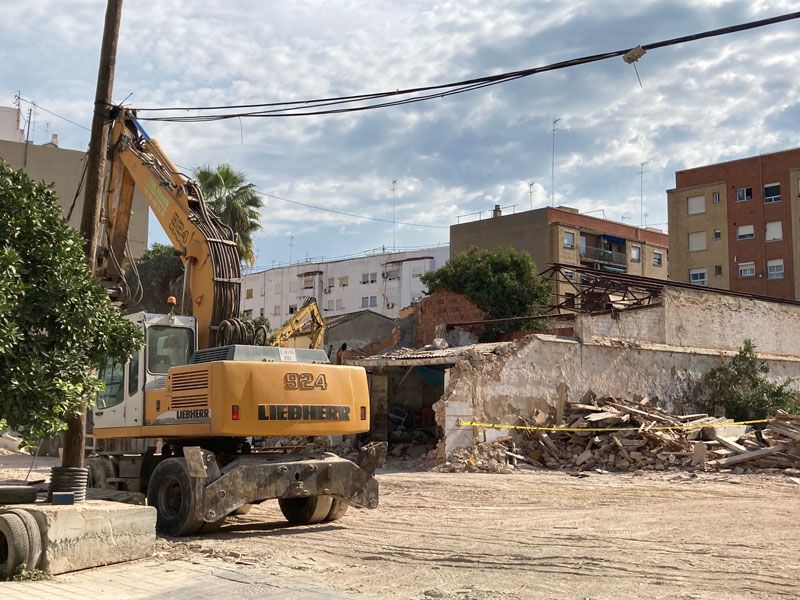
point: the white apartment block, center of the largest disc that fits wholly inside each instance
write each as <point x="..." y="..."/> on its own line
<point x="382" y="282"/>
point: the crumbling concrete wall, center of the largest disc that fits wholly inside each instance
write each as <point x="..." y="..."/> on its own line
<point x="699" y="319"/>
<point x="521" y="377"/>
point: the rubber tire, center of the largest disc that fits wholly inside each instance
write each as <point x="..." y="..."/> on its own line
<point x="34" y="536"/>
<point x="14" y="547"/>
<point x="101" y="469"/>
<point x="171" y="481"/>
<point x="17" y="494"/>
<point x="338" y="510"/>
<point x="306" y="511"/>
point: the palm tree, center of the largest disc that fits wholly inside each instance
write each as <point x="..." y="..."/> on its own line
<point x="236" y="203"/>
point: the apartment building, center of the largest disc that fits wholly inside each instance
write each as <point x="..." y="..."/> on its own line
<point x="732" y="225"/>
<point x="563" y="235"/>
<point x="383" y="282"/>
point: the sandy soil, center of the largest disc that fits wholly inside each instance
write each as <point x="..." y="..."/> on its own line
<point x="529" y="535"/>
<point x="538" y="535"/>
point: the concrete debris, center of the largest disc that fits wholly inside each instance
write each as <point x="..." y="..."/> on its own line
<point x="484" y="458"/>
<point x="640" y="438"/>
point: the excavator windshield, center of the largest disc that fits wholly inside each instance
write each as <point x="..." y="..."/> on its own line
<point x="168" y="347"/>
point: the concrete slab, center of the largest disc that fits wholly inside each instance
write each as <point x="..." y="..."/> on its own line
<point x="93" y="534"/>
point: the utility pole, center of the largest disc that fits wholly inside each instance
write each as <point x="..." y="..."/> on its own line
<point x="553" y="167"/>
<point x="394" y="221"/>
<point x="641" y="193"/>
<point x="74" y="437"/>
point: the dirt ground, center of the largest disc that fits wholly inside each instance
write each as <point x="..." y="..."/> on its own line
<point x="532" y="535"/>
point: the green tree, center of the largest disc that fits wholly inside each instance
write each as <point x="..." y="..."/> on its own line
<point x="741" y="388"/>
<point x="160" y="272"/>
<point x="235" y="201"/>
<point x="503" y="282"/>
<point x="56" y="323"/>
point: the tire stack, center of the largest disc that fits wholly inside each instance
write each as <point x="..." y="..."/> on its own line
<point x="69" y="479"/>
<point x="20" y="542"/>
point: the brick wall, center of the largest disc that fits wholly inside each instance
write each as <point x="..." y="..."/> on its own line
<point x="439" y="308"/>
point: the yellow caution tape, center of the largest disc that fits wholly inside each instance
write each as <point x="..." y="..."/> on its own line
<point x="463" y="423"/>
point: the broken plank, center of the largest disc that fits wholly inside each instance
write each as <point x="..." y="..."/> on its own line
<point x="740" y="458"/>
<point x="685" y="418"/>
<point x="730" y="444"/>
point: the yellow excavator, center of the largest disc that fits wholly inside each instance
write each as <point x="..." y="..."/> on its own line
<point x="305" y="328"/>
<point x="174" y="421"/>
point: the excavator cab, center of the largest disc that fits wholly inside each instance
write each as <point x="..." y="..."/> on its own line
<point x="170" y="341"/>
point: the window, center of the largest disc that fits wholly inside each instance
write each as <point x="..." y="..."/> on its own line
<point x="697" y="241"/>
<point x="261" y="312"/>
<point x="364" y="301"/>
<point x="330" y="304"/>
<point x="133" y="375"/>
<point x="111" y="374"/>
<point x="775" y="269"/>
<point x="373" y="277"/>
<point x="747" y="269"/>
<point x="276" y="310"/>
<point x="340" y="304"/>
<point x="745" y="232"/>
<point x="343" y="281"/>
<point x="718" y="270"/>
<point x="717" y="234"/>
<point x="292" y="286"/>
<point x="417" y="271"/>
<point x="292" y="309"/>
<point x="715" y="197"/>
<point x="373" y="301"/>
<point x="168" y="347"/>
<point x="743" y="194"/>
<point x="247" y="313"/>
<point x="774" y="231"/>
<point x="636" y="253"/>
<point x="365" y="278"/>
<point x="569" y="300"/>
<point x="772" y="193"/>
<point x="330" y="282"/>
<point x="308" y="282"/>
<point x="248" y="294"/>
<point x="393" y="273"/>
<point x="696" y="205"/>
<point x="569" y="240"/>
<point x="698" y="277"/>
<point x="569" y="275"/>
<point x="658" y="258"/>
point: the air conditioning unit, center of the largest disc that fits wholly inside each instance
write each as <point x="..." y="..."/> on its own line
<point x="326" y="291"/>
<point x="390" y="305"/>
<point x="383" y="275"/>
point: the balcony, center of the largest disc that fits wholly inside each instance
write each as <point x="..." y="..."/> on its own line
<point x="607" y="256"/>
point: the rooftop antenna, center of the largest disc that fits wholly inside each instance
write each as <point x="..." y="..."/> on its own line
<point x="394" y="221"/>
<point x="530" y="192"/>
<point x="553" y="167"/>
<point x="641" y="193"/>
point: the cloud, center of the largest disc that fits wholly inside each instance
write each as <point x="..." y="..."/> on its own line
<point x="701" y="102"/>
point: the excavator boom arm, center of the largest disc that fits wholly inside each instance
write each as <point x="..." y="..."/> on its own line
<point x="210" y="257"/>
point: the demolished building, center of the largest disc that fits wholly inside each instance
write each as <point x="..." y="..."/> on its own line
<point x="658" y="349"/>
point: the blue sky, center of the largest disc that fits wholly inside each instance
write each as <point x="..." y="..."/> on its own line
<point x="701" y="102"/>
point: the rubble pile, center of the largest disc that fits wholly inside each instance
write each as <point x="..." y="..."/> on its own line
<point x="637" y="437"/>
<point x="777" y="446"/>
<point x="642" y="436"/>
<point x="488" y="457"/>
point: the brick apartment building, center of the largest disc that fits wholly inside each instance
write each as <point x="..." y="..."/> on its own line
<point x="731" y="225"/>
<point x="563" y="235"/>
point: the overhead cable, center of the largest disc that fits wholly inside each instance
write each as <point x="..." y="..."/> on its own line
<point x="321" y="106"/>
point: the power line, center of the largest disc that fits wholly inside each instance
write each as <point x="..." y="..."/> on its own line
<point x="349" y="214"/>
<point x="320" y="106"/>
<point x="39" y="106"/>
